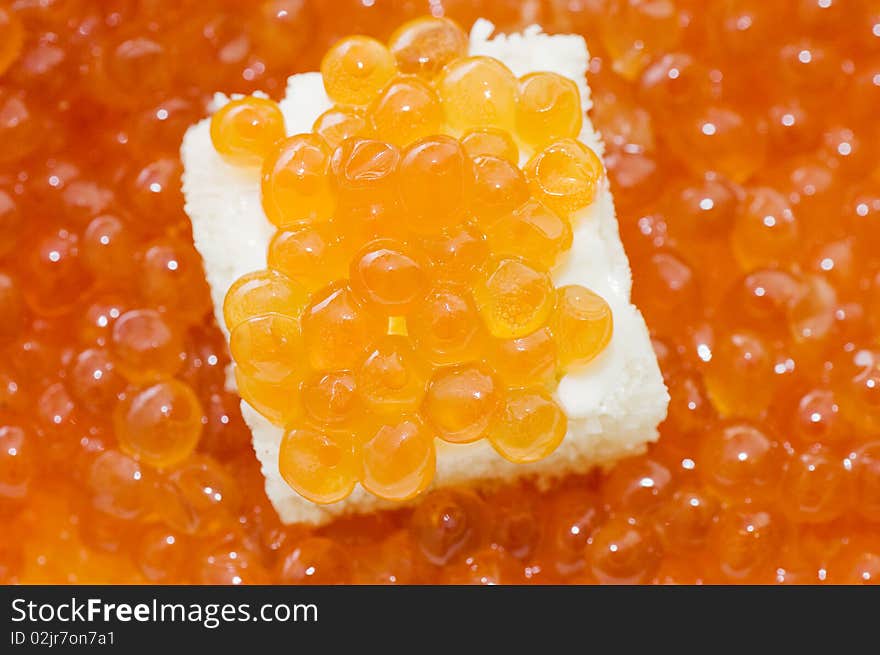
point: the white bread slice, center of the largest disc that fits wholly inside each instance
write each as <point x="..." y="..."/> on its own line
<point x="613" y="405"/>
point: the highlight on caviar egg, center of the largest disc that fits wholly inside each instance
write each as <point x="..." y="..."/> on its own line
<point x="439" y="292"/>
<point x="412" y="253"/>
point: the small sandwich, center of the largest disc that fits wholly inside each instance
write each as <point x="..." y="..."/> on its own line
<point x="415" y="258"/>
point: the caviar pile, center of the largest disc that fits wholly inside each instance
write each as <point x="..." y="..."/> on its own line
<point x="741" y="149"/>
<point x="408" y="294"/>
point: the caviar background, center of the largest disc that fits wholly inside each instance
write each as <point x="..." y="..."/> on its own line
<point x="742" y="147"/>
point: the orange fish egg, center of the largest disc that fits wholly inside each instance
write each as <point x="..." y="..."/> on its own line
<point x="244" y="131"/>
<point x="425" y="45"/>
<point x="356" y="69"/>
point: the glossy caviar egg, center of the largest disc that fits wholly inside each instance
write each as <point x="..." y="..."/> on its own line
<point x="766" y="230"/>
<point x="336" y="329"/>
<point x="458" y="252"/>
<point x="392" y="377"/>
<point x="633" y="30"/>
<point x="437" y="180"/>
<point x="388" y="275"/>
<point x="478" y="92"/>
<point x="624" y="551"/>
<point x="262" y="292"/>
<point x="308" y="255"/>
<point x="425" y="45"/>
<point x="565" y="176"/>
<point x="816" y="486"/>
<point x="514" y="298"/>
<point x="740" y="375"/>
<point x="107" y="245"/>
<point x="276" y="402"/>
<point x="367" y="182"/>
<point x="340" y="123"/>
<point x="582" y="325"/>
<point x="199" y="496"/>
<point x="461" y="402"/>
<point x="244" y="131"/>
<point x="172" y="279"/>
<point x="160" y="424"/>
<point x="406" y="110"/>
<point x="356" y="69"/>
<point x="448" y="523"/>
<point x="526" y="361"/>
<point x="549" y="108"/>
<point x="492" y="142"/>
<point x="268" y="348"/>
<point x="747" y="538"/>
<point x="399" y="459"/>
<point x="534" y="232"/>
<point x="331" y="398"/>
<point x="529" y="427"/>
<point x="500" y="187"/>
<point x="320" y="466"/>
<point x="446" y="326"/>
<point x="295" y="187"/>
<point x="739" y="460"/>
<point x="145" y="347"/>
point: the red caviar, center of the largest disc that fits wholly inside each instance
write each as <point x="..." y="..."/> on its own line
<point x="725" y="146"/>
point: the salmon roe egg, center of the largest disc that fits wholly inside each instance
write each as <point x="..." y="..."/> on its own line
<point x="425" y="45"/>
<point x="530" y="426"/>
<point x="436" y="185"/>
<point x="457" y="253"/>
<point x="491" y="142"/>
<point x="160" y="424"/>
<point x="332" y="398"/>
<point x="392" y="379"/>
<point x="740" y="375"/>
<point x="461" y="402"/>
<point x="340" y="123"/>
<point x="406" y="110"/>
<point x="478" y="92"/>
<point x="766" y="231"/>
<point x="582" y="325"/>
<point x="295" y="186"/>
<point x="276" y="402"/>
<point x="534" y="232"/>
<point x="527" y="361"/>
<point x="356" y="69"/>
<point x="448" y="523"/>
<point x="499" y="188"/>
<point x="565" y="176"/>
<point x="244" y="130"/>
<point x="145" y="347"/>
<point x="549" y="108"/>
<point x="389" y="276"/>
<point x="399" y="459"/>
<point x="514" y="298"/>
<point x="446" y="326"/>
<point x="267" y="348"/>
<point x="262" y="292"/>
<point x="308" y="255"/>
<point x="337" y="330"/>
<point x="319" y="465"/>
<point x="366" y="180"/>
